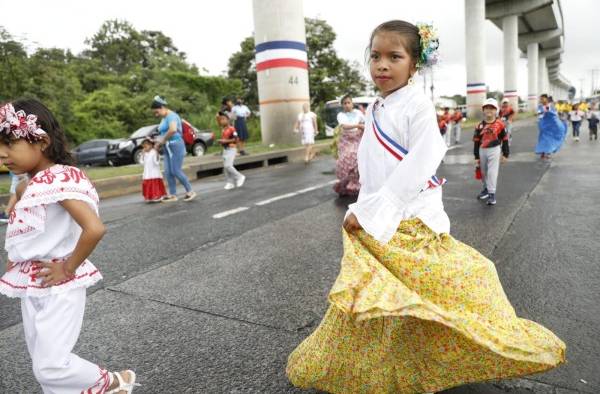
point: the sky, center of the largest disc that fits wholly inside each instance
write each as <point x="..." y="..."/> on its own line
<point x="210" y="31"/>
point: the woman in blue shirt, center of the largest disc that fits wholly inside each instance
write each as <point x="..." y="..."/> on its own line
<point x="171" y="133"/>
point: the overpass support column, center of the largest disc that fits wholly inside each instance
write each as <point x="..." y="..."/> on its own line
<point x="542" y="76"/>
<point x="510" y="27"/>
<point x="475" y="42"/>
<point x="532" y="76"/>
<point x="281" y="67"/>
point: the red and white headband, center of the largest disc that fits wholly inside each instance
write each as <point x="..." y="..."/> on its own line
<point x="19" y="124"/>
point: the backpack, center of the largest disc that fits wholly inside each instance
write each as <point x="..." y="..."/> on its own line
<point x="189" y="134"/>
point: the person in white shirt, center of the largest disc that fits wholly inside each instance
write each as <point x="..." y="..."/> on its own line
<point x="240" y="113"/>
<point x="576" y="116"/>
<point x="413" y="310"/>
<point x="352" y="124"/>
<point x="306" y="125"/>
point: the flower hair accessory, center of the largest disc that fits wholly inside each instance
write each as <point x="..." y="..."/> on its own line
<point x="429" y="45"/>
<point x="19" y="124"/>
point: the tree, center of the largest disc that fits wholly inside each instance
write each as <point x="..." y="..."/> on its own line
<point x="329" y="76"/>
<point x="117" y="45"/>
<point x="14" y="74"/>
<point x="242" y="66"/>
<point x="105" y="91"/>
<point x="55" y="82"/>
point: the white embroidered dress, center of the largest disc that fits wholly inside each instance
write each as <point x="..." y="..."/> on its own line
<point x="151" y="161"/>
<point x="41" y="230"/>
<point x="398" y="156"/>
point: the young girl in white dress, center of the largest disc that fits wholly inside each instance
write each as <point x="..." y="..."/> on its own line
<point x="153" y="187"/>
<point x="306" y="125"/>
<point x="52" y="230"/>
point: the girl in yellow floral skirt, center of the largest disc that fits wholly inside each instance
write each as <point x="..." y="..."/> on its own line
<point x="413" y="310"/>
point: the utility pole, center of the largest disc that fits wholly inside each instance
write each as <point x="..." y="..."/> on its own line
<point x="581" y="88"/>
<point x="593" y="71"/>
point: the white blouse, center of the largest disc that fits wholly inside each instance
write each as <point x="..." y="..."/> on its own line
<point x="402" y="125"/>
<point x="41" y="229"/>
<point x="151" y="161"/>
<point x="350" y="118"/>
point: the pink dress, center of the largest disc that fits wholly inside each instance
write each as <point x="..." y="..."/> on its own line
<point x="346" y="169"/>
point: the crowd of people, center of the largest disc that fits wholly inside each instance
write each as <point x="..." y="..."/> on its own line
<point x="554" y="119"/>
<point x="411" y="303"/>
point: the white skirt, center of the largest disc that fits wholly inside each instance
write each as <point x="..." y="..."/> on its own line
<point x="21" y="280"/>
<point x="308" y="137"/>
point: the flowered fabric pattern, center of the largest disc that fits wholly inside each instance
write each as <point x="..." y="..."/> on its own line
<point x="421" y="314"/>
<point x="346" y="168"/>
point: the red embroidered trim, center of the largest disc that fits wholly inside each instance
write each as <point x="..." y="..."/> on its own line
<point x="71" y="189"/>
<point x="14" y="286"/>
<point x="21" y="231"/>
<point x="103" y="382"/>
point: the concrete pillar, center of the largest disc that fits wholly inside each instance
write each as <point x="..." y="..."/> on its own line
<point x="510" y="28"/>
<point x="542" y="76"/>
<point x="475" y="61"/>
<point x="532" y="76"/>
<point x="282" y="67"/>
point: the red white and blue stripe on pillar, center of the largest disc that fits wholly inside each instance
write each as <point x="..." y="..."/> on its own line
<point x="273" y="54"/>
<point x="510" y="93"/>
<point x="478" y="87"/>
<point x="399" y="152"/>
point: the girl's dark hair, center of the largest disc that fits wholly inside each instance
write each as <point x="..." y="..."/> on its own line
<point x="347" y="96"/>
<point x="409" y="33"/>
<point x="57" y="150"/>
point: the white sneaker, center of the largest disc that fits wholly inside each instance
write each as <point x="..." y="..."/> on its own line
<point x="240" y="181"/>
<point x="189" y="196"/>
<point x="229" y="186"/>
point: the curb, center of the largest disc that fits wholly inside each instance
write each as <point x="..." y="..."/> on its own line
<point x="203" y="167"/>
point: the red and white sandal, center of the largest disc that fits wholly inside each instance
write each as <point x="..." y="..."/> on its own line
<point x="123" y="386"/>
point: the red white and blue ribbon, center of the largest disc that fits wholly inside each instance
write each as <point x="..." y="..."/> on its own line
<point x="273" y="54"/>
<point x="398" y="151"/>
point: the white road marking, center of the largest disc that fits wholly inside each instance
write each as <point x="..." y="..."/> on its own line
<point x="288" y="195"/>
<point x="310" y="189"/>
<point x="273" y="199"/>
<point x="223" y="214"/>
<point x="270" y="200"/>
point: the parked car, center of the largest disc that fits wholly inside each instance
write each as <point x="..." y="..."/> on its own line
<point x="126" y="151"/>
<point x="93" y="152"/>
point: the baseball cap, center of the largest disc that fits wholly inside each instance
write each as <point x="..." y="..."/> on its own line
<point x="491" y="102"/>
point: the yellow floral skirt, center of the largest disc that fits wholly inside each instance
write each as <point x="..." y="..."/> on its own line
<point x="421" y="314"/>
